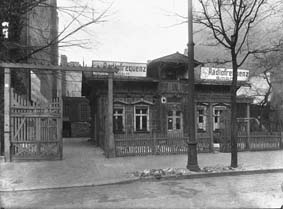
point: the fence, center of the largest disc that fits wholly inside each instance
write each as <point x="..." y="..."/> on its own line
<point x="257" y="141"/>
<point x="35" y="129"/>
<point x="155" y="144"/>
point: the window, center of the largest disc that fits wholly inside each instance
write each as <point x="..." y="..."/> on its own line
<point x="84" y="112"/>
<point x="66" y="110"/>
<point x="217" y="111"/>
<point x="141" y="118"/>
<point x="118" y="119"/>
<point x="174" y="118"/>
<point x="201" y="118"/>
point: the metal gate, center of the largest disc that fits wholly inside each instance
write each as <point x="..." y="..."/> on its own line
<point x="35" y="129"/>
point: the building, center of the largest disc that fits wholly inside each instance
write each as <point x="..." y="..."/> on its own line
<point x="39" y="28"/>
<point x="76" y="110"/>
<point x="150" y="102"/>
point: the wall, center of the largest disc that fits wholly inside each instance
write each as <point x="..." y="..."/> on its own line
<point x="1" y="111"/>
<point x="43" y="28"/>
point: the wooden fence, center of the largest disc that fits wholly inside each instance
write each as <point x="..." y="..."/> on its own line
<point x="155" y="144"/>
<point x="35" y="129"/>
<point x="257" y="141"/>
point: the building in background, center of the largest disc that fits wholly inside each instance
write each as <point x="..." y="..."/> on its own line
<point x="76" y="110"/>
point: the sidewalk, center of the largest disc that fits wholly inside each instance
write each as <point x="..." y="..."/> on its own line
<point x="85" y="165"/>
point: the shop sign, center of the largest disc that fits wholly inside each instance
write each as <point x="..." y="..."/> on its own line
<point x="222" y="74"/>
<point x="130" y="69"/>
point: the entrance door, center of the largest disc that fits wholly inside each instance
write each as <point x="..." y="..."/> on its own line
<point x="175" y="123"/>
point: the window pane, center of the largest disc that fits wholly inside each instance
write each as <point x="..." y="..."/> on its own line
<point x="170" y="113"/>
<point x="178" y="123"/>
<point x="138" y="123"/>
<point x="170" y="124"/>
<point x="200" y="119"/>
<point x="216" y="119"/>
<point x="144" y="123"/>
<point x="144" y="111"/>
<point x="178" y="113"/>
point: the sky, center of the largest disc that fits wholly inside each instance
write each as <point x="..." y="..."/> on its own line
<point x="135" y="31"/>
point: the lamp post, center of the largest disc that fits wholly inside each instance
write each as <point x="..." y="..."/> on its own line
<point x="192" y="143"/>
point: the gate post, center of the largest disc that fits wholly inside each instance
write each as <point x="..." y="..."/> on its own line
<point x="110" y="136"/>
<point x="60" y="120"/>
<point x="7" y="101"/>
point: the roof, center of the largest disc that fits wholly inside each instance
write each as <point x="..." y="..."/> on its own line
<point x="176" y="58"/>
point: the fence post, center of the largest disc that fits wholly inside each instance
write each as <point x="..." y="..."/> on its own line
<point x="153" y="143"/>
<point x="281" y="140"/>
<point x="7" y="101"/>
<point x="248" y="128"/>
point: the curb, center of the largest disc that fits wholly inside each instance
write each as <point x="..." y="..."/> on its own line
<point x="216" y="174"/>
<point x="154" y="179"/>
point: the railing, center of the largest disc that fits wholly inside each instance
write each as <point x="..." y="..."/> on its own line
<point x="257" y="141"/>
<point x="155" y="144"/>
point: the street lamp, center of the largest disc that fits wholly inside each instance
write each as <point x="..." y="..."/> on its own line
<point x="192" y="142"/>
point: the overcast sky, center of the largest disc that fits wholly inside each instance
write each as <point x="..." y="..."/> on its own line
<point x="136" y="30"/>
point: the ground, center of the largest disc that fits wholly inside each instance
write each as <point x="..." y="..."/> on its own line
<point x="246" y="191"/>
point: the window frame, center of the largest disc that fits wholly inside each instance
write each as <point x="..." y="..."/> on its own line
<point x="174" y="118"/>
<point x="119" y="107"/>
<point x="217" y="125"/>
<point x="142" y="106"/>
<point x="203" y="127"/>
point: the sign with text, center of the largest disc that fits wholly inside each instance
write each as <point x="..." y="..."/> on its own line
<point x="222" y="74"/>
<point x="125" y="68"/>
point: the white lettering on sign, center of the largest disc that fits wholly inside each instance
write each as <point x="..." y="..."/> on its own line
<point x="125" y="68"/>
<point x="222" y="74"/>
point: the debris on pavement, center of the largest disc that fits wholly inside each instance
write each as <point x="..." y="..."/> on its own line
<point x="163" y="172"/>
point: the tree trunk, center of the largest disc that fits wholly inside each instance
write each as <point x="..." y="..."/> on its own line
<point x="234" y="151"/>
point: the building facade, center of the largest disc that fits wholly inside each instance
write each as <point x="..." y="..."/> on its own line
<point x="152" y="99"/>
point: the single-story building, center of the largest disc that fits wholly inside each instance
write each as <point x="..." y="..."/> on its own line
<point x="150" y="105"/>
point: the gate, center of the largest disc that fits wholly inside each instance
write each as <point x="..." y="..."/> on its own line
<point x="35" y="129"/>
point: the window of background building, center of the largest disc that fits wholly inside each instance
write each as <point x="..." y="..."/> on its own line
<point x="217" y="111"/>
<point x="66" y="110"/>
<point x="201" y="118"/>
<point x="118" y="119"/>
<point x="84" y="112"/>
<point x="141" y="118"/>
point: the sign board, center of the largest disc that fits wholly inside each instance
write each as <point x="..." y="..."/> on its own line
<point x="125" y="68"/>
<point x="222" y="74"/>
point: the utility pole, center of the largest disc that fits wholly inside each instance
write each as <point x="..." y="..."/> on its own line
<point x="192" y="143"/>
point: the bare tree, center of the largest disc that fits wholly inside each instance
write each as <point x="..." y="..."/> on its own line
<point x="267" y="65"/>
<point x="78" y="16"/>
<point x="231" y="23"/>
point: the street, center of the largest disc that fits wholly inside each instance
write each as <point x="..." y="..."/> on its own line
<point x="247" y="191"/>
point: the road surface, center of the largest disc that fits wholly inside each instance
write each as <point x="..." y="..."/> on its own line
<point x="247" y="191"/>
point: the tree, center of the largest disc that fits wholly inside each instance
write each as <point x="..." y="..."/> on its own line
<point x="231" y="23"/>
<point x="33" y="36"/>
<point x="19" y="13"/>
<point x="269" y="66"/>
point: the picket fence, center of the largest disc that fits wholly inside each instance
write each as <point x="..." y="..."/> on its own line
<point x="155" y="144"/>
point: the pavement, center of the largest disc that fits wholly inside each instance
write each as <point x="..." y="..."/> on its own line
<point x="84" y="164"/>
